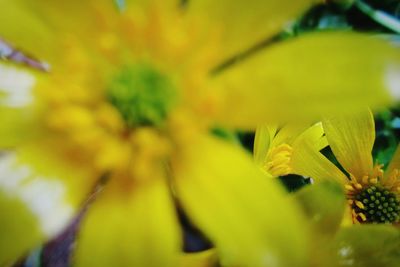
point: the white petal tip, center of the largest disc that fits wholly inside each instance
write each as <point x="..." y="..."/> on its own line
<point x="393" y="81"/>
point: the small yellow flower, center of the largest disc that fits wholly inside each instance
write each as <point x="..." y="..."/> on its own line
<point x="372" y="193"/>
<point x="277" y="150"/>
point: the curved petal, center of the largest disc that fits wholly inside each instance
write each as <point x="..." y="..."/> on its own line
<point x="130" y="227"/>
<point x="44" y="195"/>
<point x="314" y="135"/>
<point x="306" y="160"/>
<point x="262" y="142"/>
<point x="247" y="216"/>
<point x="351" y="139"/>
<point x="324" y="204"/>
<point x="288" y="133"/>
<point x="238" y="25"/>
<point x="307" y="76"/>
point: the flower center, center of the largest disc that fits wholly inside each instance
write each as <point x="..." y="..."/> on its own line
<point x="278" y="160"/>
<point x="378" y="205"/>
<point x="142" y="95"/>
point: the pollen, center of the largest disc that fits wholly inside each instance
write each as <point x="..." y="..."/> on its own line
<point x="278" y="160"/>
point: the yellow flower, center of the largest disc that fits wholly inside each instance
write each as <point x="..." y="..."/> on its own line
<point x="372" y="193"/>
<point x="131" y="96"/>
<point x="277" y="150"/>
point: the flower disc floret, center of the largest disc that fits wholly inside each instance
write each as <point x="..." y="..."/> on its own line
<point x="379" y="205"/>
<point x="142" y="95"/>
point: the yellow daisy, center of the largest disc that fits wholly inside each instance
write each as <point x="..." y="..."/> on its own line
<point x="131" y="97"/>
<point x="277" y="150"/>
<point x="372" y="192"/>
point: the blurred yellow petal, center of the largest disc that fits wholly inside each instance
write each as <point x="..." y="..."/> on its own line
<point x="368" y="246"/>
<point x="206" y="258"/>
<point x="130" y="227"/>
<point x="79" y="14"/>
<point x="307" y="76"/>
<point x="351" y="139"/>
<point x="17" y="115"/>
<point x="47" y="159"/>
<point x="324" y="204"/>
<point x="25" y="29"/>
<point x="17" y="126"/>
<point x="83" y="18"/>
<point x="395" y="162"/>
<point x="36" y="26"/>
<point x="308" y="161"/>
<point x="247" y="216"/>
<point x="167" y="4"/>
<point x="19" y="228"/>
<point x="239" y="25"/>
<point x="38" y="198"/>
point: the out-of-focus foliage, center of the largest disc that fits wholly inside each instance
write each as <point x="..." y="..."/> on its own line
<point x="368" y="246"/>
<point x="337" y="16"/>
<point x="387" y="134"/>
<point x="324" y="205"/>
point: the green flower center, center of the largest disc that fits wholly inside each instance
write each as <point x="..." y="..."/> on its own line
<point x="380" y="205"/>
<point x="142" y="95"/>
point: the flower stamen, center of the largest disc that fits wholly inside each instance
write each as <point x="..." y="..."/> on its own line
<point x="278" y="160"/>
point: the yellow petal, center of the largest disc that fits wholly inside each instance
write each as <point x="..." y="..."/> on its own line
<point x="395" y="162"/>
<point x="367" y="245"/>
<point x="206" y="258"/>
<point x="25" y="29"/>
<point x="313" y="135"/>
<point x="262" y="142"/>
<point x="16" y="126"/>
<point x="49" y="160"/>
<point x="351" y="139"/>
<point x="17" y="114"/>
<point x="301" y="78"/>
<point x="19" y="228"/>
<point x="130" y="227"/>
<point x="36" y="26"/>
<point x="65" y="15"/>
<point x="246" y="215"/>
<point x="39" y="195"/>
<point x="241" y="24"/>
<point x="288" y="133"/>
<point x="324" y="204"/>
<point x="306" y="160"/>
<point x="167" y="4"/>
